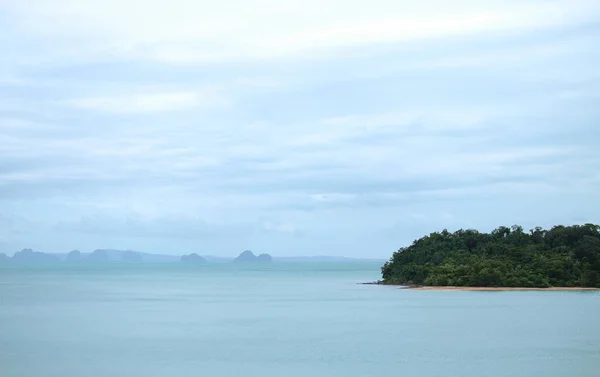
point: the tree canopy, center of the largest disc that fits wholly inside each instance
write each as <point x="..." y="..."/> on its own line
<point x="564" y="256"/>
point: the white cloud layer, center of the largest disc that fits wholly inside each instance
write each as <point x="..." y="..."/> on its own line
<point x="314" y="127"/>
<point x="199" y="31"/>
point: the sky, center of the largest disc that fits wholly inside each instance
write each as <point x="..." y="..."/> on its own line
<point x="293" y="127"/>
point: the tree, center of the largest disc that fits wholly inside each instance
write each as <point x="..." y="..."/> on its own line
<point x="561" y="256"/>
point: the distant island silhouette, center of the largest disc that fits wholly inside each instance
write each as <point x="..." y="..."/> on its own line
<point x="74" y="256"/>
<point x="33" y="257"/>
<point x="98" y="256"/>
<point x="248" y="256"/>
<point x="101" y="256"/>
<point x="131" y="257"/>
<point x="193" y="258"/>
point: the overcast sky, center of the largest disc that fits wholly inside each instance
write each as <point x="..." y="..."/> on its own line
<point x="293" y="127"/>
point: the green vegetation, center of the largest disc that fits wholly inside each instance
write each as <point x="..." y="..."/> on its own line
<point x="564" y="256"/>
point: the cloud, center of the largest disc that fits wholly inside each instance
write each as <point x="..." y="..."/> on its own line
<point x="161" y="227"/>
<point x="294" y="127"/>
<point x="185" y="31"/>
<point x="285" y="228"/>
<point x="141" y="103"/>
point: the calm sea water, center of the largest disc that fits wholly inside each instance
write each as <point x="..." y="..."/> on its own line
<point x="282" y="320"/>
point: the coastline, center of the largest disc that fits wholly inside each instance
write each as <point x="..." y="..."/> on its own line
<point x="459" y="288"/>
<point x="453" y="288"/>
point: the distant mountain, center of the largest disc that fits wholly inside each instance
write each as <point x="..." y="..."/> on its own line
<point x="114" y="255"/>
<point x="131" y="257"/>
<point x="74" y="256"/>
<point x="30" y="256"/>
<point x="192" y="258"/>
<point x="264" y="258"/>
<point x="248" y="257"/>
<point x="98" y="256"/>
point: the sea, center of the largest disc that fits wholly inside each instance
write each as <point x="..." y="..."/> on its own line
<point x="282" y="319"/>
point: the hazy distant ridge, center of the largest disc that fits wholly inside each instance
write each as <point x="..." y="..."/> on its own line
<point x="114" y="255"/>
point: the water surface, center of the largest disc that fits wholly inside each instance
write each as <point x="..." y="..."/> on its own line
<point x="282" y="320"/>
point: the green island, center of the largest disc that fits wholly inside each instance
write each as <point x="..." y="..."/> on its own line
<point x="564" y="256"/>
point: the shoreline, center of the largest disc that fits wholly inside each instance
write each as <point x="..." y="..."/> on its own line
<point x="459" y="288"/>
<point x="452" y="288"/>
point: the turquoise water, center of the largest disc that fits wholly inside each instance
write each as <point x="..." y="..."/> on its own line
<point x="282" y="320"/>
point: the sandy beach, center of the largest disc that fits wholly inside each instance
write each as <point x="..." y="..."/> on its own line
<point x="436" y="288"/>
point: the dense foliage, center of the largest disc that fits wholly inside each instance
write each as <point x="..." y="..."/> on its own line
<point x="564" y="256"/>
